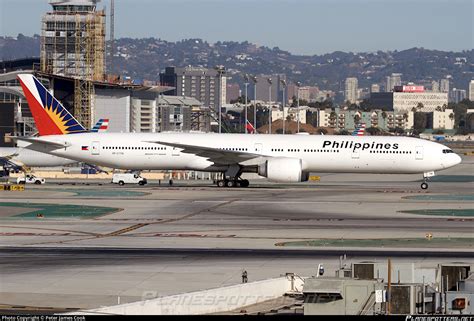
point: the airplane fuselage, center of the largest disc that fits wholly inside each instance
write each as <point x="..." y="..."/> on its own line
<point x="322" y="153"/>
<point x="30" y="158"/>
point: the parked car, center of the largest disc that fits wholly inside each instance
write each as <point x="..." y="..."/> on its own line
<point x="128" y="178"/>
<point x="30" y="179"/>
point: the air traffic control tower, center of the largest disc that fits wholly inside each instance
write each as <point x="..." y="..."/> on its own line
<point x="73" y="45"/>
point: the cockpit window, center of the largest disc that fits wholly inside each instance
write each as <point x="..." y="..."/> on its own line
<point x="447" y="151"/>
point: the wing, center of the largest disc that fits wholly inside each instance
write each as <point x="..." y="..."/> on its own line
<point x="215" y="155"/>
<point x="40" y="142"/>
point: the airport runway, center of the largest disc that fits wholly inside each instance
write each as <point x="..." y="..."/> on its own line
<point x="193" y="236"/>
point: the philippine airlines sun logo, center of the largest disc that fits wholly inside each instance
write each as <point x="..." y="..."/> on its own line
<point x="59" y="120"/>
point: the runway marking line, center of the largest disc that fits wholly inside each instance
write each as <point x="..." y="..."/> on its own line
<point x="125" y="230"/>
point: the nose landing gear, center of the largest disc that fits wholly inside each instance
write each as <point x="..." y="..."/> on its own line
<point x="426" y="177"/>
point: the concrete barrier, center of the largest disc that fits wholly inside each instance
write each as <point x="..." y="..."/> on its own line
<point x="204" y="302"/>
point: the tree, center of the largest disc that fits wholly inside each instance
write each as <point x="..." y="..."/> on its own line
<point x="322" y="131"/>
<point x="439" y="108"/>
<point x="419" y="106"/>
<point x="373" y="131"/>
<point x="343" y="132"/>
<point x="399" y="130"/>
<point x="312" y="118"/>
<point x="356" y="118"/>
<point x="419" y="122"/>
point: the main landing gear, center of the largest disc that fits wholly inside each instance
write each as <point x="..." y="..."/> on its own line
<point x="426" y="177"/>
<point x="231" y="178"/>
<point x="233" y="183"/>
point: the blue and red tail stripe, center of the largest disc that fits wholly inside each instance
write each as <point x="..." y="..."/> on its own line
<point x="50" y="116"/>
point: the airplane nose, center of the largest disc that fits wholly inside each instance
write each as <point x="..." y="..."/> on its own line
<point x="458" y="159"/>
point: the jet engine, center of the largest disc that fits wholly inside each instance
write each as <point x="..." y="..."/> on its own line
<point x="284" y="170"/>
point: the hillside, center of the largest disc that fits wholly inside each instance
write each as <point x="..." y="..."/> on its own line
<point x="145" y="58"/>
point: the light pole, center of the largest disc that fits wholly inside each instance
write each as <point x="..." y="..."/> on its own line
<point x="220" y="71"/>
<point x="246" y="84"/>
<point x="283" y="84"/>
<point x="254" y="79"/>
<point x="269" y="80"/>
<point x="298" y="84"/>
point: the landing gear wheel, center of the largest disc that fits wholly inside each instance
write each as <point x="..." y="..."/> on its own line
<point x="424" y="185"/>
<point x="230" y="183"/>
<point x="244" y="183"/>
<point x="221" y="183"/>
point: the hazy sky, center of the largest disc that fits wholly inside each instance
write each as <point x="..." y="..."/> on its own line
<point x="299" y="26"/>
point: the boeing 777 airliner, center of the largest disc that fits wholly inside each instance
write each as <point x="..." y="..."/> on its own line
<point x="280" y="158"/>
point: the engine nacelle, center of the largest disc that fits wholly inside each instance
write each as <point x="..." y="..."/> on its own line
<point x="284" y="170"/>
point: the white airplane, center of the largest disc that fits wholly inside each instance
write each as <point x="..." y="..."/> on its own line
<point x="19" y="158"/>
<point x="280" y="158"/>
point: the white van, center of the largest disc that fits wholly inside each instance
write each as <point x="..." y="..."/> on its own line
<point x="30" y="179"/>
<point x="128" y="178"/>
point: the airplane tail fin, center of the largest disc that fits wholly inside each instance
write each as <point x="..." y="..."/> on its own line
<point x="101" y="126"/>
<point x="50" y="116"/>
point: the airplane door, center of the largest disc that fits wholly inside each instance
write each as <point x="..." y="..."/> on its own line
<point x="175" y="151"/>
<point x="356" y="154"/>
<point x="419" y="152"/>
<point x="258" y="148"/>
<point x="95" y="148"/>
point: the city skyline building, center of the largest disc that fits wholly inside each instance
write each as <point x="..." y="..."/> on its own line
<point x="471" y="90"/>
<point x="395" y="79"/>
<point x="444" y="85"/>
<point x="206" y="85"/>
<point x="350" y="90"/>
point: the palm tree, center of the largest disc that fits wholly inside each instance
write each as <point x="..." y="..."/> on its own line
<point x="356" y="118"/>
<point x="438" y="108"/>
<point x="384" y="116"/>
<point x="419" y="106"/>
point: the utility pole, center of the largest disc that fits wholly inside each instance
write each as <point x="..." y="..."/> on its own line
<point x="298" y="84"/>
<point x="254" y="79"/>
<point x="269" y="80"/>
<point x="283" y="84"/>
<point x="246" y="84"/>
<point x="220" y="71"/>
<point x="389" y="286"/>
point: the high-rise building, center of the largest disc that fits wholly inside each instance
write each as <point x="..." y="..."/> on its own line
<point x="471" y="90"/>
<point x="206" y="85"/>
<point x="375" y="88"/>
<point x="393" y="80"/>
<point x="457" y="95"/>
<point x="233" y="92"/>
<point x="350" y="92"/>
<point x="73" y="45"/>
<point x="444" y="86"/>
<point x="276" y="88"/>
<point x="435" y="86"/>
